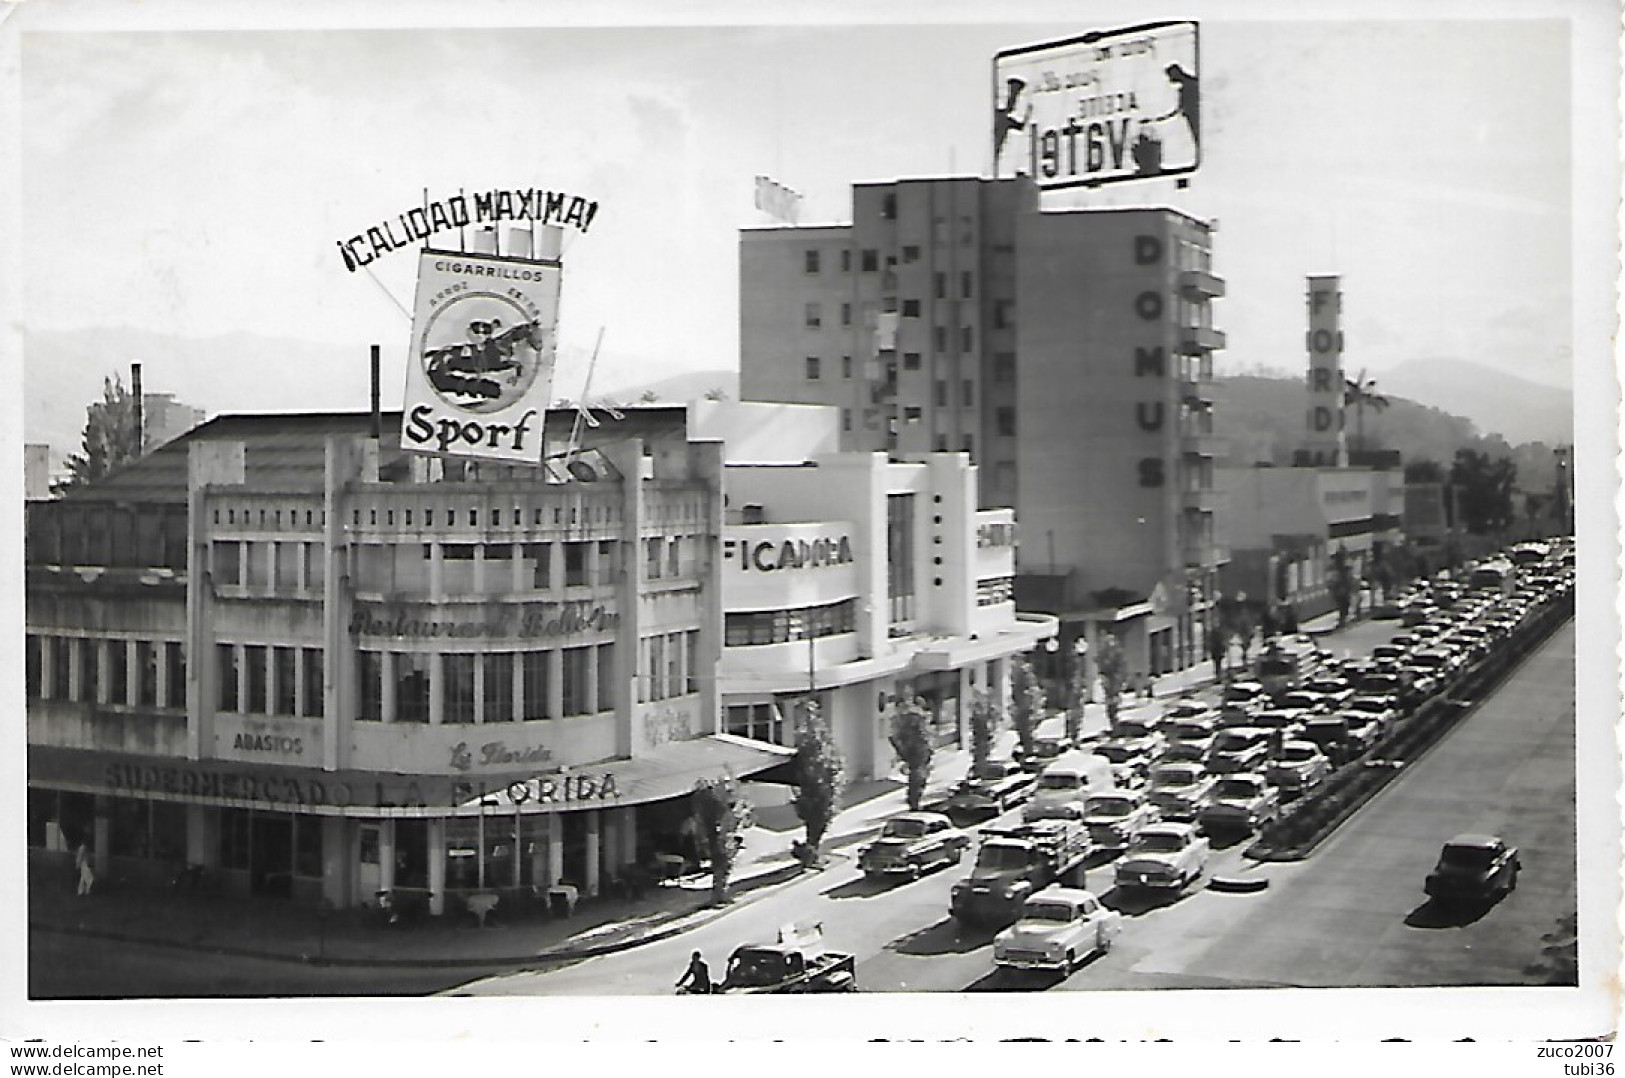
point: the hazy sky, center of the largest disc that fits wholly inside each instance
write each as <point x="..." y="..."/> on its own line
<point x="195" y="182"/>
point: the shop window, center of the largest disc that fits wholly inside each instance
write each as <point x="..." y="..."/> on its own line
<point x="146" y="672"/>
<point x="411" y="687"/>
<point x="226" y="563"/>
<point x="535" y="558"/>
<point x="168" y="831"/>
<point x="129" y="829"/>
<point x="575" y="564"/>
<point x="312" y="673"/>
<point x="457" y="678"/>
<point x="32" y="665"/>
<point x="498" y="687"/>
<point x="533" y="683"/>
<point x="759" y="722"/>
<point x="234" y="840"/>
<point x="369" y="836"/>
<point x="307" y="846"/>
<point x="284" y="680"/>
<point x="370" y="686"/>
<point x="577" y="684"/>
<point x="118" y="688"/>
<point x="254" y="659"/>
<point x="225" y="675"/>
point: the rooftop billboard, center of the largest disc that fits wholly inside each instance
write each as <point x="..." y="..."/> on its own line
<point x="1106" y="107"/>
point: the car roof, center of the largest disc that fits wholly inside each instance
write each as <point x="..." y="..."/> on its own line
<point x="1074" y="895"/>
<point x="921" y="817"/>
<point x="1168" y="827"/>
<point x="1472" y="840"/>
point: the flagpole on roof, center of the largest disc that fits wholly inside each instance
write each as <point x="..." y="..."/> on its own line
<point x="581" y="405"/>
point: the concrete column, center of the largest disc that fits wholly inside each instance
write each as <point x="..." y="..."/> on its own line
<point x="386" y="854"/>
<point x="629" y="834"/>
<point x="160" y="655"/>
<point x="200" y="850"/>
<point x="555" y="566"/>
<point x="101" y="834"/>
<point x="555" y="683"/>
<point x="73" y="690"/>
<point x="338" y="866"/>
<point x="594" y="852"/>
<point x="241" y="655"/>
<point x="132" y="674"/>
<point x="104" y="670"/>
<point x="594" y="704"/>
<point x="48" y="645"/>
<point x="437" y="867"/>
<point x="479" y="689"/>
<point x="437" y="673"/>
<point x="436" y="572"/>
<point x="555" y="849"/>
<point x="298" y="685"/>
<point x="386" y="700"/>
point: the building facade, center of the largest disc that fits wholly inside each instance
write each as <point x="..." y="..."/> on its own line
<point x="1070" y="354"/>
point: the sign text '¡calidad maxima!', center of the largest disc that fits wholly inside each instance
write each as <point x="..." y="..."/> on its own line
<point x="459" y="211"/>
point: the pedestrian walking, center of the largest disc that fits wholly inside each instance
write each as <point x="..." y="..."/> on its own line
<point x="87" y="871"/>
<point x="696" y="979"/>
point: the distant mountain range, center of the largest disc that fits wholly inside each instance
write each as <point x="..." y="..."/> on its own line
<point x="1517" y="409"/>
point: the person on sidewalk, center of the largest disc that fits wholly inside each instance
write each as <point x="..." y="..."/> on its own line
<point x="696" y="979"/>
<point x="87" y="871"/>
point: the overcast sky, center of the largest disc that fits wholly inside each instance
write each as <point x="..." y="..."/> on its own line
<point x="195" y="182"/>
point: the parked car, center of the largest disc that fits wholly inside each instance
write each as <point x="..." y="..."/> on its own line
<point x="1190" y="738"/>
<point x="1056" y="929"/>
<point x="1305" y="700"/>
<point x="1473" y="868"/>
<point x="1187" y="708"/>
<point x="1180" y="789"/>
<point x="1341" y="737"/>
<point x="1131" y="739"/>
<point x="1334" y="691"/>
<point x="1300" y="767"/>
<point x="1241" y="748"/>
<point x="990" y="788"/>
<point x="1043" y="751"/>
<point x="1165" y="856"/>
<point x="1068" y="780"/>
<point x="913" y="842"/>
<point x="1116" y="816"/>
<point x="1241" y="802"/>
<point x="1378" y="709"/>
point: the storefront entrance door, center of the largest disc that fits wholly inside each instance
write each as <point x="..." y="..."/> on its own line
<point x="271" y="855"/>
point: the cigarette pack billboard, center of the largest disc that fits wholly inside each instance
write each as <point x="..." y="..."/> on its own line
<point x="1102" y="108"/>
<point x="479" y="374"/>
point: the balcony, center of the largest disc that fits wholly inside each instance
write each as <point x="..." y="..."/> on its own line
<point x="1200" y="387"/>
<point x="1201" y="445"/>
<point x="1200" y="284"/>
<point x="1198" y="339"/>
<point x="1206" y="500"/>
<point x="1205" y="555"/>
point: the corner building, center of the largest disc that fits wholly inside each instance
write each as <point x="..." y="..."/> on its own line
<point x="1068" y="353"/>
<point x="280" y="649"/>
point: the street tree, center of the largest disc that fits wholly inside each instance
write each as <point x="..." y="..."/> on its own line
<point x="110" y="437"/>
<point x="984" y="723"/>
<point x="1483" y="488"/>
<point x="1027" y="702"/>
<point x="820" y="774"/>
<point x="911" y="740"/>
<point x="720" y="817"/>
<point x="1341" y="583"/>
<point x="1112" y="665"/>
<point x="1361" y="393"/>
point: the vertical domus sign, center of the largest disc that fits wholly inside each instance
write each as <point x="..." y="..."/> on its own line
<point x="1323" y="441"/>
<point x="479" y="373"/>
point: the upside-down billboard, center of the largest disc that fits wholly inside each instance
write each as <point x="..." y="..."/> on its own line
<point x="479" y="374"/>
<point x="1101" y="108"/>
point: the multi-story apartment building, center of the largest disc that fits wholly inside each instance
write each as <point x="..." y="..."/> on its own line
<point x="1069" y="353"/>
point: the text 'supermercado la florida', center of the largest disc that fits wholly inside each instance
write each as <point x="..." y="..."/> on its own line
<point x="282" y="649"/>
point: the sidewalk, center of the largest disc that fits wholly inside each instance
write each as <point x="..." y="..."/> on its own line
<point x="276" y="929"/>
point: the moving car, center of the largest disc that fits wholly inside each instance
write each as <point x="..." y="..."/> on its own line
<point x="1300" y="767"/>
<point x="1473" y="868"/>
<point x="1115" y="817"/>
<point x="913" y="842"/>
<point x="991" y="787"/>
<point x="797" y="962"/>
<point x="1242" y="802"/>
<point x="1015" y="863"/>
<point x="1373" y="708"/>
<point x="1190" y="738"/>
<point x="1165" y="856"/>
<point x="1131" y="739"/>
<point x="1045" y="749"/>
<point x="1180" y="789"/>
<point x="1056" y="929"/>
<point x="1241" y="748"/>
<point x="1068" y="779"/>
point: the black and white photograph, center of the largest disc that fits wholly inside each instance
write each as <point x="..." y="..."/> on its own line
<point x="532" y="512"/>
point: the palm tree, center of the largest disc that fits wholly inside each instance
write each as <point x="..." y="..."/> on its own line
<point x="1361" y="392"/>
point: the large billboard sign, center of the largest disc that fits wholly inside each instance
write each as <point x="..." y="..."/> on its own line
<point x="479" y="374"/>
<point x="1102" y="108"/>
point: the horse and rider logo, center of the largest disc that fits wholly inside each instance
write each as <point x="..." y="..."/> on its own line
<point x="479" y="362"/>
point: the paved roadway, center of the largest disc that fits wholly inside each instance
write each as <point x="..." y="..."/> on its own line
<point x="1350" y="915"/>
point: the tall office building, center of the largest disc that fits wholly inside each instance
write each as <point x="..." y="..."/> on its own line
<point x="1069" y="353"/>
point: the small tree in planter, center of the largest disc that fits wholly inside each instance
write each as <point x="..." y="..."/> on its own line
<point x="820" y="777"/>
<point x="720" y="816"/>
<point x="984" y="723"/>
<point x="1113" y="667"/>
<point x="1027" y="702"/>
<point x="911" y="740"/>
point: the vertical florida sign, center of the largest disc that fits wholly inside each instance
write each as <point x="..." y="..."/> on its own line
<point x="1105" y="107"/>
<point x="479" y="373"/>
<point x="1323" y="435"/>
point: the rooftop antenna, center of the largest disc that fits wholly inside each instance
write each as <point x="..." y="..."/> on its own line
<point x="583" y="414"/>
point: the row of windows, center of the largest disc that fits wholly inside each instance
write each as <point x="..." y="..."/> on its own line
<point x="288" y="566"/>
<point x="669" y="665"/>
<point x="759" y="722"/>
<point x="484" y="687"/>
<point x="781" y="626"/>
<point x="1001" y="589"/>
<point x="128" y="673"/>
<point x="261" y="679"/>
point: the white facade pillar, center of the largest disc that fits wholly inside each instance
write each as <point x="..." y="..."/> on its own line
<point x="104" y="671"/>
<point x="437" y="674"/>
<point x="555" y="682"/>
<point x="48" y="645"/>
<point x="437" y="867"/>
<point x="160" y="656"/>
<point x="629" y="834"/>
<point x="75" y="691"/>
<point x="386" y="696"/>
<point x="132" y="674"/>
<point x="594" y="846"/>
<point x="386" y="854"/>
<point x="555" y="849"/>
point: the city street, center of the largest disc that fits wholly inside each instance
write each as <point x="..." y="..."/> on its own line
<point x="1353" y="914"/>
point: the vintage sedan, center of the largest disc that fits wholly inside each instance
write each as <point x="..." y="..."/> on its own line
<point x="911" y="843"/>
<point x="1190" y="738"/>
<point x="1165" y="856"/>
<point x="1377" y="708"/>
<point x="1044" y="750"/>
<point x="1300" y="767"/>
<point x="1116" y="816"/>
<point x="1057" y="928"/>
<point x="1131" y="740"/>
<point x="990" y="788"/>
<point x="1473" y="868"/>
<point x="1336" y="691"/>
<point x="1241" y="802"/>
<point x="1180" y="789"/>
<point x="1241" y="748"/>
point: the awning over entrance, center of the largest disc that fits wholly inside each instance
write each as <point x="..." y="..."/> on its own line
<point x="668" y="771"/>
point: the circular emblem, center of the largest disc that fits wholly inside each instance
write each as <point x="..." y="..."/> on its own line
<point x="481" y="352"/>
